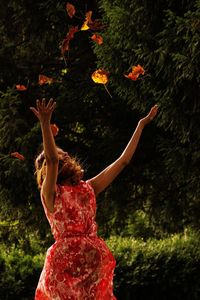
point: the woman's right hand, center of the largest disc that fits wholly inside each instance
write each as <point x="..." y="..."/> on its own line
<point x="44" y="111"/>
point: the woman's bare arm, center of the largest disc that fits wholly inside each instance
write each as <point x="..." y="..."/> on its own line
<point x="44" y="112"/>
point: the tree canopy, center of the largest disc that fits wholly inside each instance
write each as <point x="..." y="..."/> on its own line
<point x="162" y="180"/>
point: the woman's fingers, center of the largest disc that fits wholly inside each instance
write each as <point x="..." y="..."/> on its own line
<point x="34" y="111"/>
<point x="153" y="112"/>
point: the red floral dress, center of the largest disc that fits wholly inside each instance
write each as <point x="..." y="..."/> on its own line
<point x="79" y="265"/>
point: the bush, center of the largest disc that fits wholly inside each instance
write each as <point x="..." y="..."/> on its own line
<point x="165" y="269"/>
<point x="19" y="273"/>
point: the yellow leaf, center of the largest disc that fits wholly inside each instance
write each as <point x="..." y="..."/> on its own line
<point x="85" y="26"/>
<point x="100" y="76"/>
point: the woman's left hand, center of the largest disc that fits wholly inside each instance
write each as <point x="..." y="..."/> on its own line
<point x="151" y="115"/>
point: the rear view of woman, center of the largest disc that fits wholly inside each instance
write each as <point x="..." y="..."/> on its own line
<point x="79" y="265"/>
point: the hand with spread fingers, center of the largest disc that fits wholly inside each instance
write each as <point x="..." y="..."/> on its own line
<point x="44" y="111"/>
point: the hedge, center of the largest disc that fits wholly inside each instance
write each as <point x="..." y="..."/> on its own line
<point x="167" y="269"/>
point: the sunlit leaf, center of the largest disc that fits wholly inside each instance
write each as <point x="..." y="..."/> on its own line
<point x="85" y="26"/>
<point x="64" y="71"/>
<point x="21" y="87"/>
<point x="97" y="38"/>
<point x="87" y="21"/>
<point x="17" y="155"/>
<point x="54" y="129"/>
<point x="70" y="9"/>
<point x="44" y="80"/>
<point x="100" y="76"/>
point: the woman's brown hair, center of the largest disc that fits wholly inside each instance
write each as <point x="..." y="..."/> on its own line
<point x="69" y="169"/>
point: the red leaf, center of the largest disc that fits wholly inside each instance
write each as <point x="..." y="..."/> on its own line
<point x="67" y="39"/>
<point x="21" y="87"/>
<point x="97" y="38"/>
<point x="70" y="9"/>
<point x="17" y="155"/>
<point x="88" y="21"/>
<point x="44" y="80"/>
<point x="136" y="72"/>
<point x="54" y="129"/>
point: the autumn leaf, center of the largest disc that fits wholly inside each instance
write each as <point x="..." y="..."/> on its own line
<point x="44" y="80"/>
<point x="87" y="21"/>
<point x="97" y="38"/>
<point x="136" y="72"/>
<point x="132" y="76"/>
<point x="17" y="155"/>
<point x="21" y="87"/>
<point x="68" y="38"/>
<point x="100" y="76"/>
<point x="70" y="9"/>
<point x="54" y="129"/>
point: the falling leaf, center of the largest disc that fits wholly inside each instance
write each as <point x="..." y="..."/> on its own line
<point x="100" y="76"/>
<point x="44" y="80"/>
<point x="67" y="39"/>
<point x="54" y="129"/>
<point x="70" y="9"/>
<point x="97" y="38"/>
<point x="17" y="155"/>
<point x="21" y="87"/>
<point x="132" y="76"/>
<point x="87" y="21"/>
<point x="64" y="71"/>
<point x="85" y="26"/>
<point x="136" y="72"/>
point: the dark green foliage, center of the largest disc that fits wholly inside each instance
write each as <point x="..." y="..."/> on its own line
<point x="164" y="38"/>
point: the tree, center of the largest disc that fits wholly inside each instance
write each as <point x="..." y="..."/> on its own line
<point x="164" y="38"/>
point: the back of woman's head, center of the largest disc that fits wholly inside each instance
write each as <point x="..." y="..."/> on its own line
<point x="69" y="169"/>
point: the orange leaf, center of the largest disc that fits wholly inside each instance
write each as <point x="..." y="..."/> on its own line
<point x="136" y="72"/>
<point x="44" y="80"/>
<point x="54" y="129"/>
<point x="88" y="16"/>
<point x="21" y="87"/>
<point x="100" y="76"/>
<point x="97" y="38"/>
<point x="67" y="39"/>
<point x="132" y="76"/>
<point x="70" y="9"/>
<point x="17" y="155"/>
<point x="87" y="21"/>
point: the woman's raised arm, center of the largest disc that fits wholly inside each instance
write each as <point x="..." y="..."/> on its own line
<point x="44" y="112"/>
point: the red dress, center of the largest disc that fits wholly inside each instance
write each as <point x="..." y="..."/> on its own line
<point x="79" y="265"/>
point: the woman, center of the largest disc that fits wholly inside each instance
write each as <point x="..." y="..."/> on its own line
<point x="78" y="266"/>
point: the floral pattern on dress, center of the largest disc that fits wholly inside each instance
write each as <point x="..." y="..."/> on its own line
<point x="79" y="265"/>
